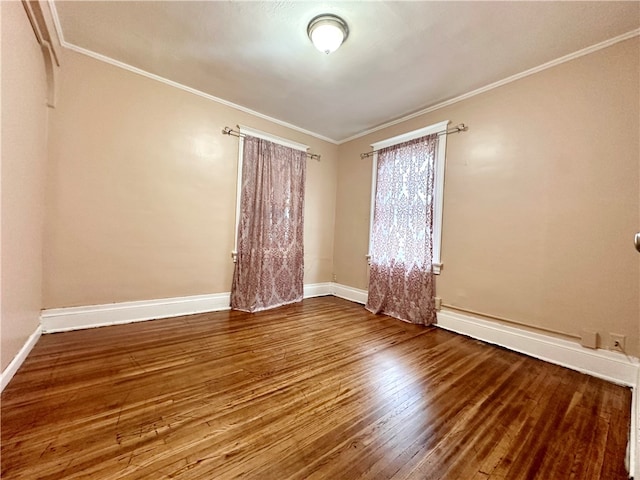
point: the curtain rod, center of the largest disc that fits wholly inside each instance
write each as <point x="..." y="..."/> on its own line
<point x="457" y="129"/>
<point x="236" y="133"/>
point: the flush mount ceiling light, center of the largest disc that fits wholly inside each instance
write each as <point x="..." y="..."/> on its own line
<point x="327" y="32"/>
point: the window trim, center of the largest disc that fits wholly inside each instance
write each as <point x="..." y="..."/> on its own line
<point x="438" y="193"/>
<point x="244" y="130"/>
<point x="272" y="138"/>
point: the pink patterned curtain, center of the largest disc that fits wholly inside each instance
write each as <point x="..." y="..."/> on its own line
<point x="269" y="266"/>
<point x="401" y="282"/>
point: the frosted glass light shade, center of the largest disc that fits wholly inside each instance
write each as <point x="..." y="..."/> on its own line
<point x="327" y="32"/>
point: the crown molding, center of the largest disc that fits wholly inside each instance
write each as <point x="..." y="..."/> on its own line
<point x="499" y="83"/>
<point x="152" y="76"/>
<point x="194" y="91"/>
<point x="473" y="93"/>
<point x="43" y="32"/>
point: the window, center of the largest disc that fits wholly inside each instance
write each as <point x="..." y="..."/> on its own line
<point x="404" y="238"/>
<point x="438" y="184"/>
<point x="264" y="136"/>
<point x="269" y="255"/>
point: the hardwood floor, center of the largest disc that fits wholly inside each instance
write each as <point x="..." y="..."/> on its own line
<point x="317" y="390"/>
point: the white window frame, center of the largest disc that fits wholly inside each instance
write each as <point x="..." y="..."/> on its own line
<point x="265" y="136"/>
<point x="438" y="192"/>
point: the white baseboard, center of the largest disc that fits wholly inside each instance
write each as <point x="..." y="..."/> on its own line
<point x="604" y="364"/>
<point x="608" y="365"/>
<point x="17" y="361"/>
<point x="75" y="318"/>
<point x="318" y="290"/>
<point x="350" y="293"/>
<point x="612" y="366"/>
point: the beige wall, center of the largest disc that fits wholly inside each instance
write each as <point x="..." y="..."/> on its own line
<point x="541" y="198"/>
<point x="24" y="153"/>
<point x="541" y="194"/>
<point x="142" y="192"/>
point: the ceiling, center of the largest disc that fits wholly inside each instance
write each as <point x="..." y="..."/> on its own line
<point x="400" y="57"/>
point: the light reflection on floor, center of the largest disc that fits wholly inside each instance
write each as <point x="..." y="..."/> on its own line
<point x="393" y="381"/>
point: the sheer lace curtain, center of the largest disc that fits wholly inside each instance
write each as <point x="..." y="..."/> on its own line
<point x="401" y="281"/>
<point x="269" y="267"/>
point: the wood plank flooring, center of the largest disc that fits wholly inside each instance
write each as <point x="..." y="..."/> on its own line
<point x="318" y="390"/>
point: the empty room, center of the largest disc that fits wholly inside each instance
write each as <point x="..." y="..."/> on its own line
<point x="320" y="240"/>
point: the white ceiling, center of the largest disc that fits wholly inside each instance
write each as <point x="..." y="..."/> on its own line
<point x="400" y="57"/>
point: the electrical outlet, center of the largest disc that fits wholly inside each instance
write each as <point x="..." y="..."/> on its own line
<point x="616" y="342"/>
